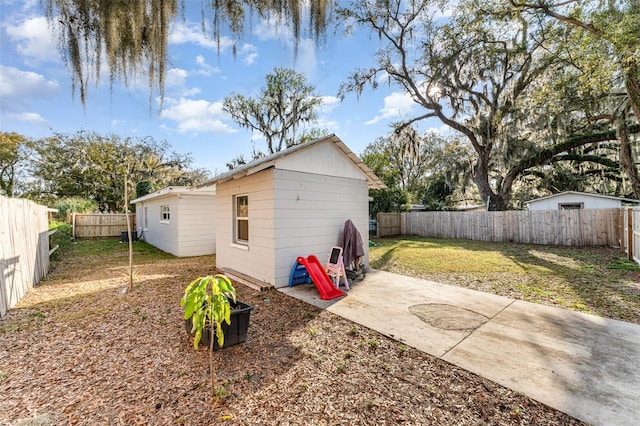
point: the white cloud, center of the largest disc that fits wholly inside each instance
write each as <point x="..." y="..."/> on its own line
<point x="272" y="28"/>
<point x="184" y="33"/>
<point x="276" y="28"/>
<point x="176" y="77"/>
<point x="329" y="103"/>
<point x="33" y="41"/>
<point x="330" y="125"/>
<point x="444" y="131"/>
<point x="383" y="78"/>
<point x="176" y="80"/>
<point x="396" y="105"/>
<point x="205" y="68"/>
<point x="30" y="117"/>
<point x="196" y="115"/>
<point x="249" y="53"/>
<point x="18" y="85"/>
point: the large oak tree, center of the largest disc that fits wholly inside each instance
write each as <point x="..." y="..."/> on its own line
<point x="481" y="73"/>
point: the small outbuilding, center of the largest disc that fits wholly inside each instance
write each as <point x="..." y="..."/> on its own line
<point x="288" y="204"/>
<point x="179" y="220"/>
<point x="568" y="200"/>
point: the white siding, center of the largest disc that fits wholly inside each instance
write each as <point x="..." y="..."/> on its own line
<point x="258" y="260"/>
<point x="310" y="213"/>
<point x="321" y="159"/>
<point x="197" y="227"/>
<point x="160" y="234"/>
<point x="590" y="202"/>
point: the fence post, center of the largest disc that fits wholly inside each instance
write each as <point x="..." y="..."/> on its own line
<point x="630" y="234"/>
<point x="621" y="228"/>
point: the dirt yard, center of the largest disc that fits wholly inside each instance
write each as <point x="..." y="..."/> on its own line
<point x="80" y="350"/>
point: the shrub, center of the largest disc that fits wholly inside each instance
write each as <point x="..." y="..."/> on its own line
<point x="62" y="237"/>
<point x="75" y="204"/>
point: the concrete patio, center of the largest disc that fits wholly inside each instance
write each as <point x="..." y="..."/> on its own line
<point x="583" y="365"/>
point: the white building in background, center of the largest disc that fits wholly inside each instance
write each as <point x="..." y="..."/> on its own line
<point x="179" y="220"/>
<point x="578" y="200"/>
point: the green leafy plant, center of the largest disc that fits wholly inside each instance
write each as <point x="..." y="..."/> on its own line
<point x="206" y="303"/>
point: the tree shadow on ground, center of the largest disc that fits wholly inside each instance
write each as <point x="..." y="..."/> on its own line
<point x="113" y="354"/>
<point x="110" y="356"/>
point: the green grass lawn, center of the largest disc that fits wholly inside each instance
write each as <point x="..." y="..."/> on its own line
<point x="105" y="247"/>
<point x="596" y="280"/>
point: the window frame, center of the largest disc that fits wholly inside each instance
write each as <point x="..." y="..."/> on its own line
<point x="237" y="218"/>
<point x="571" y="206"/>
<point x="165" y="215"/>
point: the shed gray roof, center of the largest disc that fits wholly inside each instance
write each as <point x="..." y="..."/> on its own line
<point x="171" y="191"/>
<point x="610" y="197"/>
<point x="264" y="163"/>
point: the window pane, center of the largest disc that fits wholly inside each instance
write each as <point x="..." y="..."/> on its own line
<point x="165" y="212"/>
<point x="243" y="230"/>
<point x="242" y="206"/>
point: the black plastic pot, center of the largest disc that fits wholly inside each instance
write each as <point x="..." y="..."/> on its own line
<point x="234" y="333"/>
<point x="124" y="236"/>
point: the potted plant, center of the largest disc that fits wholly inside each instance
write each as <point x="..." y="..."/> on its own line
<point x="210" y="308"/>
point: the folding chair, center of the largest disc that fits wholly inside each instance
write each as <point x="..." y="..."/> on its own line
<point x="335" y="267"/>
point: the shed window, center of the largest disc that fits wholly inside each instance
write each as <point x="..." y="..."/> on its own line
<point x="570" y="206"/>
<point x="241" y="219"/>
<point x="165" y="213"/>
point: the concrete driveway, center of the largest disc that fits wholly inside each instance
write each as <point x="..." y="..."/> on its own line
<point x="585" y="366"/>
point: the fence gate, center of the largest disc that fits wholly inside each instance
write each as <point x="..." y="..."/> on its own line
<point x="389" y="224"/>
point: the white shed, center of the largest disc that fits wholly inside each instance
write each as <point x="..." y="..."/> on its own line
<point x="292" y="203"/>
<point x="577" y="200"/>
<point x="179" y="220"/>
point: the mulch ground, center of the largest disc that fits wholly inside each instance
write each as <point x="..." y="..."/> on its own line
<point x="79" y="350"/>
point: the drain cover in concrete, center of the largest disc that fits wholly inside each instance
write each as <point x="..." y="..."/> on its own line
<point x="448" y="317"/>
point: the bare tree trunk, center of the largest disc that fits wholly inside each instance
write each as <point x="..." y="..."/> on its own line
<point x="632" y="84"/>
<point x="493" y="201"/>
<point x="126" y="211"/>
<point x="627" y="160"/>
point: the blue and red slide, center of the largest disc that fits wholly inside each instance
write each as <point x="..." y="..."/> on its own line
<point x="319" y="276"/>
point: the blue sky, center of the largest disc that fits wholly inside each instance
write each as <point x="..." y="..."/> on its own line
<point x="36" y="99"/>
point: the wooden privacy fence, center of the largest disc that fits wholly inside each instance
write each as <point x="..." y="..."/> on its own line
<point x="24" y="248"/>
<point x="100" y="225"/>
<point x="592" y="227"/>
